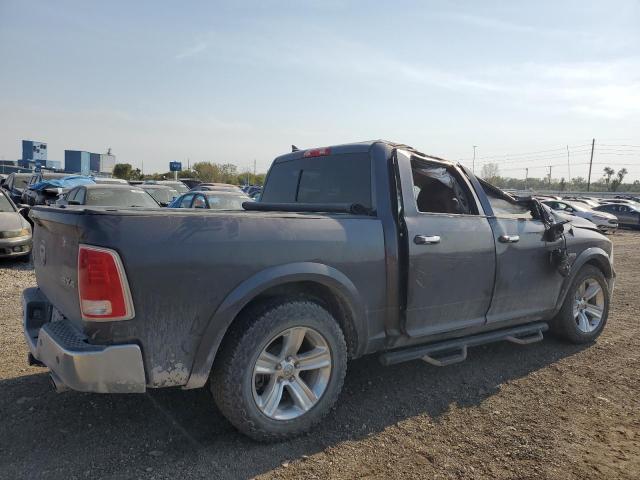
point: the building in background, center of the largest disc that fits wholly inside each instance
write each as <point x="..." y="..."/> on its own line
<point x="77" y="161"/>
<point x="34" y="156"/>
<point x="87" y="163"/>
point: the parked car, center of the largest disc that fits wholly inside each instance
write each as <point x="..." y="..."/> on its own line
<point x="176" y="185"/>
<point x="588" y="201"/>
<point x="603" y="220"/>
<point x="340" y="259"/>
<point x="190" y="182"/>
<point x="162" y="194"/>
<point x="627" y="215"/>
<point x="3" y="177"/>
<point x="46" y="190"/>
<point x="15" y="231"/>
<point x="15" y="185"/>
<point x="100" y="195"/>
<point x="629" y="197"/>
<point x="216" y="200"/>
<point x="110" y="181"/>
<point x="620" y="201"/>
<point x="210" y="187"/>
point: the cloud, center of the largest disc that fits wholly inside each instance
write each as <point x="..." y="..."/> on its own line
<point x="192" y="51"/>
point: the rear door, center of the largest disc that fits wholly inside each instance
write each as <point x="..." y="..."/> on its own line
<point x="451" y="252"/>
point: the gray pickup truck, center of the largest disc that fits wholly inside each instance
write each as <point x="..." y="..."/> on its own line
<point x="353" y="249"/>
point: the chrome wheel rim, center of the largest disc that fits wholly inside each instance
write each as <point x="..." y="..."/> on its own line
<point x="291" y="373"/>
<point x="588" y="305"/>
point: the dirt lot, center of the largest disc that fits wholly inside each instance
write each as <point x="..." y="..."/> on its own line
<point x="547" y="410"/>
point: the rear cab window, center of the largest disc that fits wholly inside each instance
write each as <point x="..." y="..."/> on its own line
<point x="334" y="179"/>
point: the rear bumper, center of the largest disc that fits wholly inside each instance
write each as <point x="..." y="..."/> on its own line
<point x="72" y="359"/>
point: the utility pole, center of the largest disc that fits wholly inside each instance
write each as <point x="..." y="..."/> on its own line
<point x="473" y="165"/>
<point x="254" y="169"/>
<point x="550" y="166"/>
<point x="593" y="144"/>
<point x="526" y="177"/>
<point x="568" y="164"/>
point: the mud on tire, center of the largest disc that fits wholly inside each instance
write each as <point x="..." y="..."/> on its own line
<point x="237" y="389"/>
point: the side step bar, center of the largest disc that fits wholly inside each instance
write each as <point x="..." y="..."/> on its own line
<point x="453" y="351"/>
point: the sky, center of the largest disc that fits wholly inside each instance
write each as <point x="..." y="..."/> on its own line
<point x="234" y="82"/>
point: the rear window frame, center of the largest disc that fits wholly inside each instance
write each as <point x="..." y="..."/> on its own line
<point x="366" y="177"/>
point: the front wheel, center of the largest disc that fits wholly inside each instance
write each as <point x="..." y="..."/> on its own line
<point x="280" y="369"/>
<point x="585" y="309"/>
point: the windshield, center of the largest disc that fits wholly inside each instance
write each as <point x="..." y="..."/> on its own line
<point x="21" y="181"/>
<point x="577" y="207"/>
<point x="227" y="202"/>
<point x="179" y="186"/>
<point x="121" y="197"/>
<point x="5" y="204"/>
<point x="164" y="195"/>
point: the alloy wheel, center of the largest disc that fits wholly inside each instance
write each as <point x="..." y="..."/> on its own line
<point x="588" y="305"/>
<point x="291" y="373"/>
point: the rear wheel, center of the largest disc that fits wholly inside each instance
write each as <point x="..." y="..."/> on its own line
<point x="280" y="370"/>
<point x="586" y="307"/>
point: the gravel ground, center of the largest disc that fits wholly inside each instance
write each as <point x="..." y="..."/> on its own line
<point x="547" y="410"/>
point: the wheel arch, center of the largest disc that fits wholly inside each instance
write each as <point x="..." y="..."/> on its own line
<point x="313" y="280"/>
<point x="591" y="256"/>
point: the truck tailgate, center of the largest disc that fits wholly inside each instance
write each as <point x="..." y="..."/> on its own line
<point x="55" y="256"/>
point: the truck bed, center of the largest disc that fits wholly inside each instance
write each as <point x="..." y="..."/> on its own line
<point x="181" y="265"/>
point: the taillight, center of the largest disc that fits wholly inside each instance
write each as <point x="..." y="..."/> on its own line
<point x="317" y="152"/>
<point x="102" y="285"/>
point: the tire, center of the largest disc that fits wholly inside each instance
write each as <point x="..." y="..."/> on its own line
<point x="237" y="389"/>
<point x="571" y="327"/>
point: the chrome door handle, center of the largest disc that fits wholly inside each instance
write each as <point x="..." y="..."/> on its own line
<point x="509" y="238"/>
<point x="426" y="239"/>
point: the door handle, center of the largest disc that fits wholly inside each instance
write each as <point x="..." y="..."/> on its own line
<point x="426" y="239"/>
<point x="509" y="238"/>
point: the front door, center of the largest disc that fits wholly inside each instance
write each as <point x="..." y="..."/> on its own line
<point x="527" y="282"/>
<point x="451" y="272"/>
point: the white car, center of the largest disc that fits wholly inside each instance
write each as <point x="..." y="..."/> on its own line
<point x="590" y="202"/>
<point x="604" y="221"/>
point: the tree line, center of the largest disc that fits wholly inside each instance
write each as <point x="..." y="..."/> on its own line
<point x="609" y="181"/>
<point x="207" y="172"/>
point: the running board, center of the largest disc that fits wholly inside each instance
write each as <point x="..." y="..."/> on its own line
<point x="453" y="351"/>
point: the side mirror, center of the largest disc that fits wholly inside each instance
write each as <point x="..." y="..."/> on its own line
<point x="73" y="202"/>
<point x="164" y="204"/>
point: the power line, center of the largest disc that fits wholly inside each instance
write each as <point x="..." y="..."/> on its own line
<point x="524" y="154"/>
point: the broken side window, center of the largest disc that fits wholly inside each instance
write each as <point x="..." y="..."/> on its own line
<point x="437" y="190"/>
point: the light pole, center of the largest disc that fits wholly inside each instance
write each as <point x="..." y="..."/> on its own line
<point x="473" y="166"/>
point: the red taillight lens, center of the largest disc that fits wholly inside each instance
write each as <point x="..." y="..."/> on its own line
<point x="102" y="285"/>
<point x="317" y="152"/>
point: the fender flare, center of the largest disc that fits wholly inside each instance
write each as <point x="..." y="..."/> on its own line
<point x="589" y="254"/>
<point x="250" y="288"/>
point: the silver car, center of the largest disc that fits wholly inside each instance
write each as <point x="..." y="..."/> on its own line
<point x="15" y="231"/>
<point x="603" y="220"/>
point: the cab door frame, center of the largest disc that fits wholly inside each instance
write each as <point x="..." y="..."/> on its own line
<point x="451" y="267"/>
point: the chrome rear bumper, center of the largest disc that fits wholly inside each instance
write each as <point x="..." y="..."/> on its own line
<point x="72" y="359"/>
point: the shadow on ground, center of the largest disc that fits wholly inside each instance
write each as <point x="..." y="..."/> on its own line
<point x="181" y="434"/>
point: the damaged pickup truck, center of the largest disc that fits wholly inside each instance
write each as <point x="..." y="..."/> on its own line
<point x="353" y="249"/>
